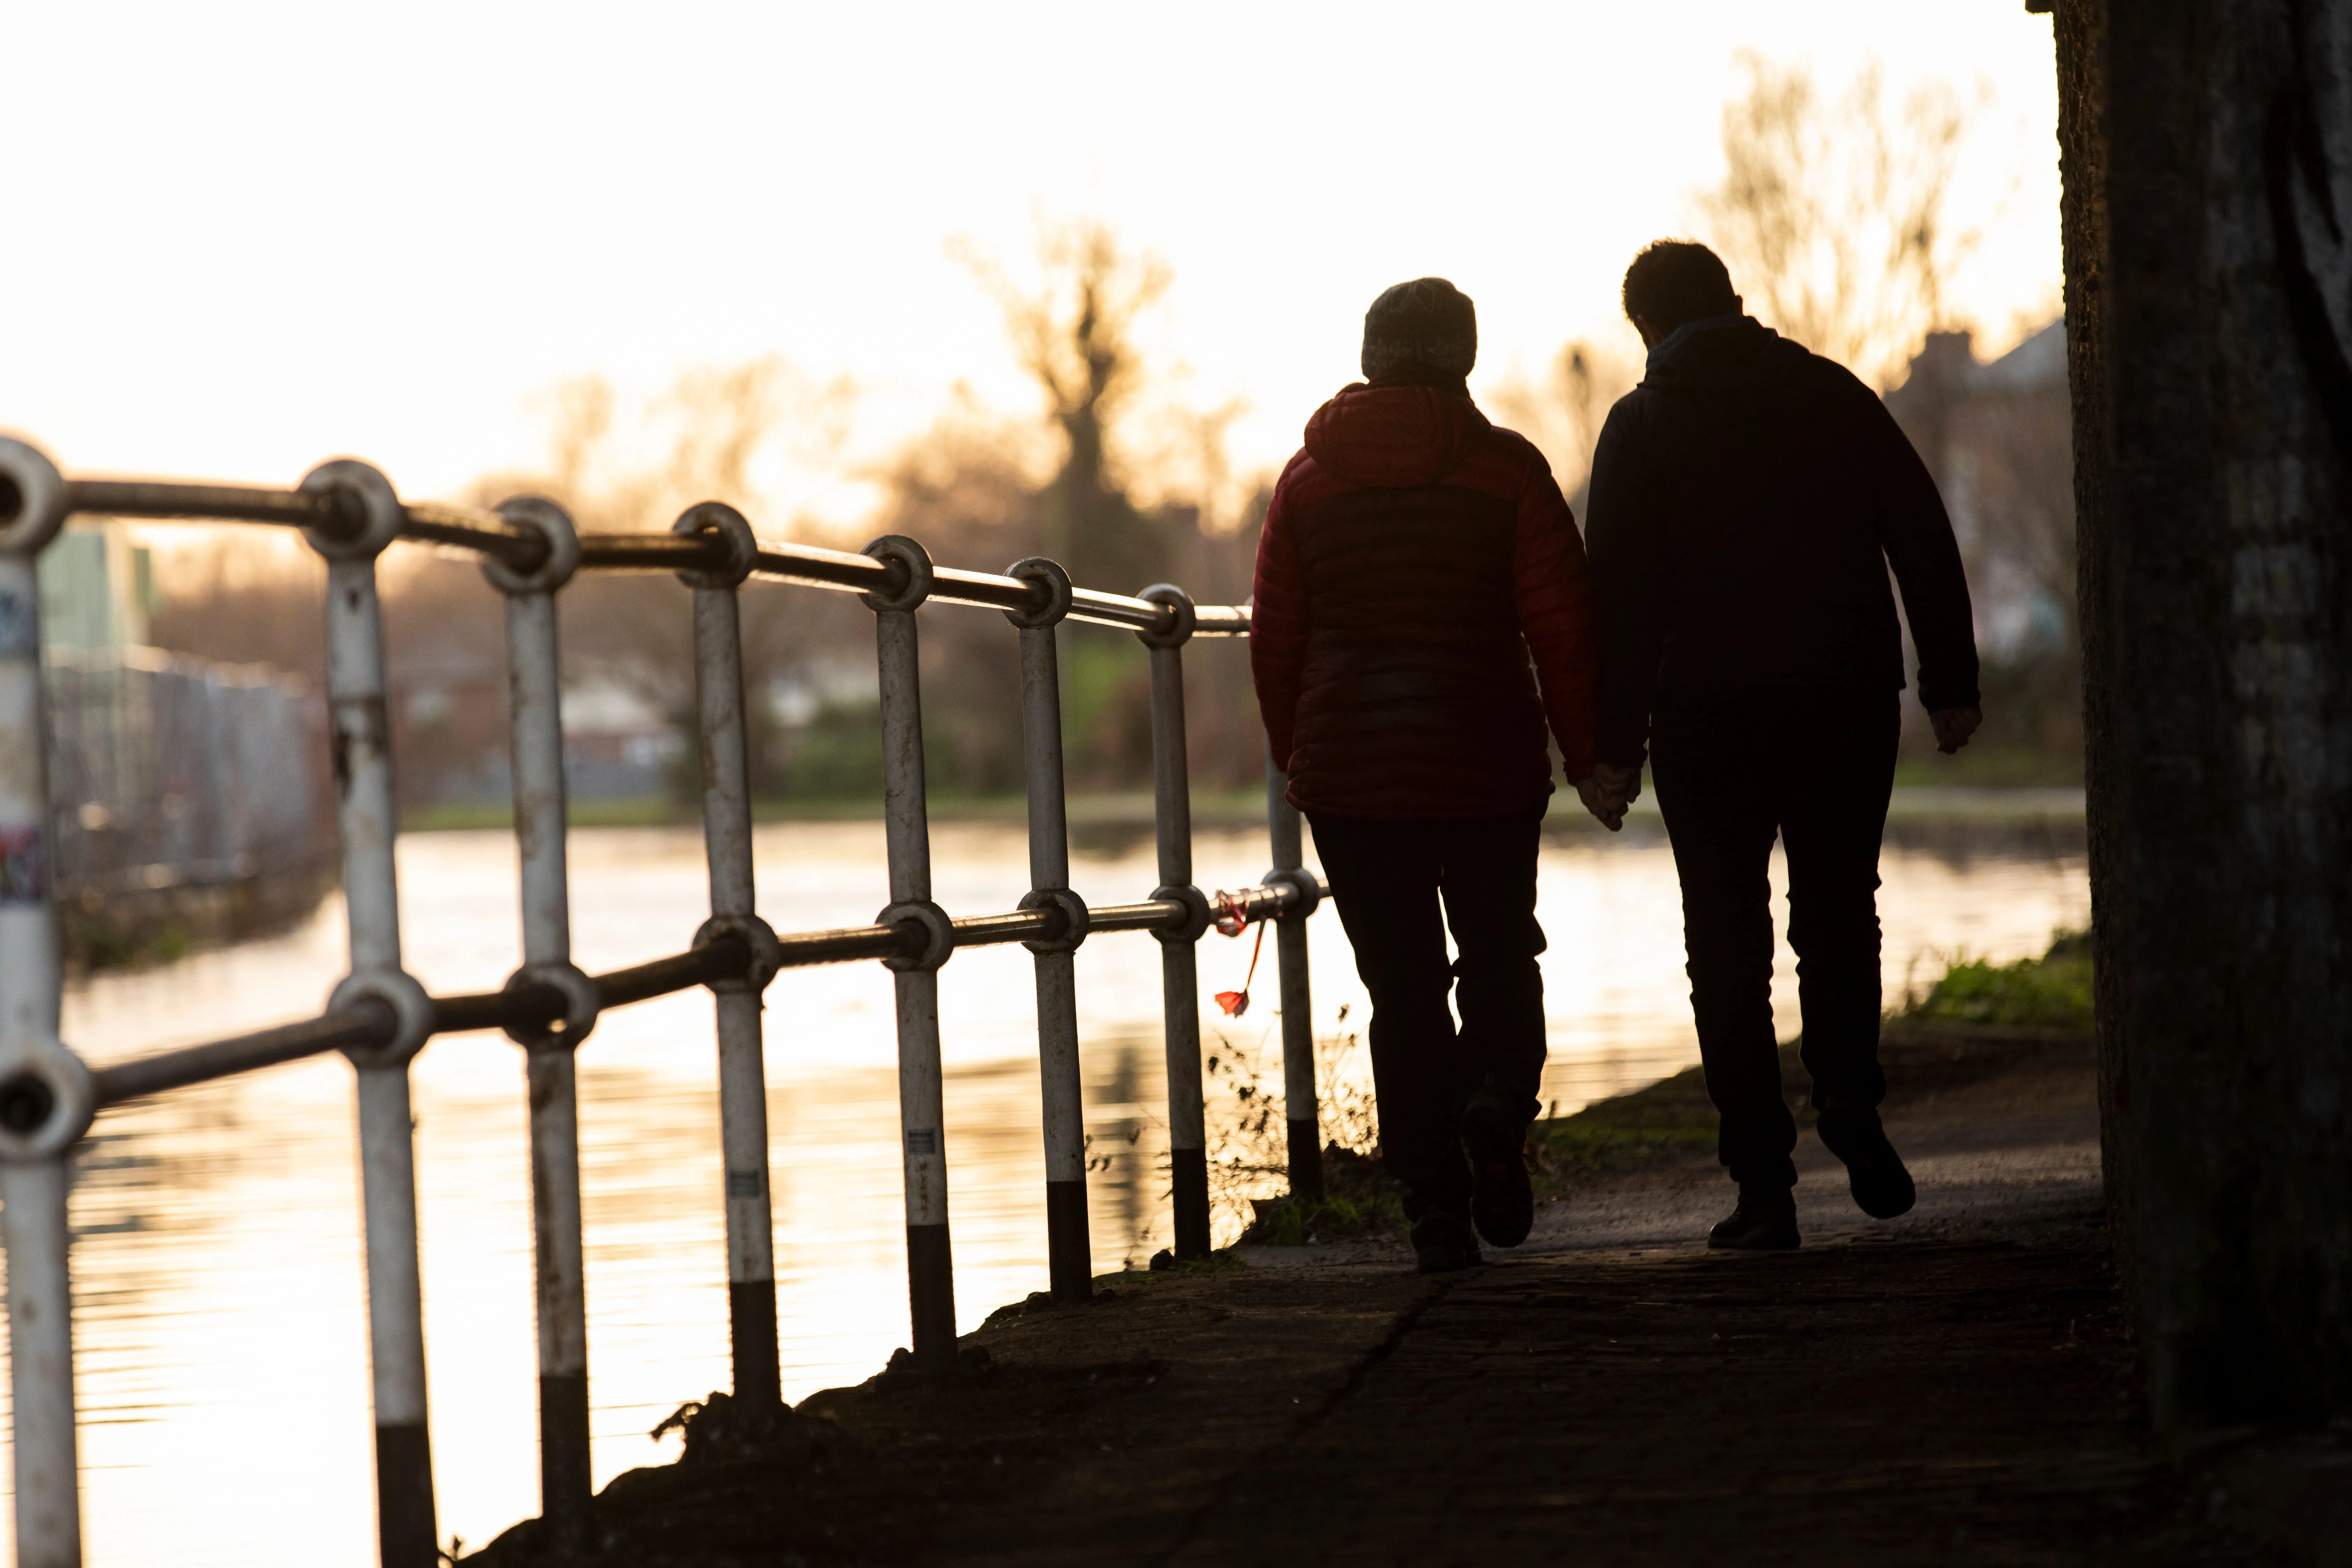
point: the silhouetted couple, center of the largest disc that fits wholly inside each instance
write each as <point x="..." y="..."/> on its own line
<point x="1425" y="609"/>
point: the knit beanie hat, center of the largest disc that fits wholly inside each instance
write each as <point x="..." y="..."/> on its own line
<point x="1427" y="321"/>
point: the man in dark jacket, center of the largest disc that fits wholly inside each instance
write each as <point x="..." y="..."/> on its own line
<point x="1748" y="498"/>
<point x="1414" y="557"/>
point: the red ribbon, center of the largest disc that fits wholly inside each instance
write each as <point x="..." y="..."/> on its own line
<point x="1236" y="1003"/>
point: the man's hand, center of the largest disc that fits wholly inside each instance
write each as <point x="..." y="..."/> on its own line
<point x="1622" y="783"/>
<point x="1609" y="792"/>
<point x="1954" y="726"/>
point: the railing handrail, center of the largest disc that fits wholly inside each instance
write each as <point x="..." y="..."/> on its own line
<point x="488" y="534"/>
<point x="369" y="1024"/>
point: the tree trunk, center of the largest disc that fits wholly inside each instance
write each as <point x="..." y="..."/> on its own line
<point x="2209" y="308"/>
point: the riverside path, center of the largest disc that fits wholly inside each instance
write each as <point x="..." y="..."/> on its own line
<point x="1952" y="1388"/>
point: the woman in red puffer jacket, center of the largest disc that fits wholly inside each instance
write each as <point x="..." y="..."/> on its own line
<point x="1420" y="615"/>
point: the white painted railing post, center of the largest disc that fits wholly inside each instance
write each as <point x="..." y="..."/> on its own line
<point x="1286" y="835"/>
<point x="45" y="1100"/>
<point x="727" y="846"/>
<point x="359" y="717"/>
<point x="535" y="712"/>
<point x="1180" y="976"/>
<point x="930" y="1278"/>
<point x="1069" y="1255"/>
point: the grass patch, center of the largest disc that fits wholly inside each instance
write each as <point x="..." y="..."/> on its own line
<point x="1359" y="1200"/>
<point x="94" y="942"/>
<point x="448" y="815"/>
<point x="1992" y="766"/>
<point x="1669" y="1120"/>
<point x="1289" y="1222"/>
<point x="1563" y="1148"/>
<point x="2050" y="992"/>
<point x="1224" y="1260"/>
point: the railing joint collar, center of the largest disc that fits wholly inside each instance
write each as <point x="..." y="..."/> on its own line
<point x="930" y="921"/>
<point x="722" y="525"/>
<point x="581" y="1002"/>
<point x="1182" y="616"/>
<point x="767" y="955"/>
<point x="412" y="1011"/>
<point x="46" y="1100"/>
<point x="1049" y="575"/>
<point x="911" y="577"/>
<point x="1198" y="916"/>
<point x="1306" y="890"/>
<point x="368" y="509"/>
<point x="559" y="539"/>
<point x="1075" y="919"/>
<point x="32" y="499"/>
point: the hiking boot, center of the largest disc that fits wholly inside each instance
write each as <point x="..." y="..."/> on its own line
<point x="1882" y="1188"/>
<point x="1765" y="1221"/>
<point x="1443" y="1242"/>
<point x="1502" y="1201"/>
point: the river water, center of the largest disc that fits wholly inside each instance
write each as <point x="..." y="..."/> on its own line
<point x="222" y="1329"/>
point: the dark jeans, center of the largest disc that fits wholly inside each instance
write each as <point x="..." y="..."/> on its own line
<point x="1815" y="769"/>
<point x="1388" y="879"/>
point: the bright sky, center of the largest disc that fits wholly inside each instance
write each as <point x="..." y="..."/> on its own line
<point x="245" y="237"/>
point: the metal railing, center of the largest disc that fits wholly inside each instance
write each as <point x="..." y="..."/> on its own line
<point x="380" y="1016"/>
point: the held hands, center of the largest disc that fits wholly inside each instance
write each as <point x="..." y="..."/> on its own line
<point x="1954" y="726"/>
<point x="1609" y="792"/>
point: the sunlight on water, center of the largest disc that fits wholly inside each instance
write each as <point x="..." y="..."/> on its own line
<point x="222" y="1333"/>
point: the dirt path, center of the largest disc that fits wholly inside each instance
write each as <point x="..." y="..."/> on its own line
<point x="1953" y="1386"/>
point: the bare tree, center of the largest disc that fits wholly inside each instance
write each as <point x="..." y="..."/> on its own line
<point x="1562" y="415"/>
<point x="708" y="430"/>
<point x="1832" y="215"/>
<point x="1074" y="335"/>
<point x="243" y="599"/>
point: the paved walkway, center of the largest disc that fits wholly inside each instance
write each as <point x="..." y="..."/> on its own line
<point x="1950" y="1387"/>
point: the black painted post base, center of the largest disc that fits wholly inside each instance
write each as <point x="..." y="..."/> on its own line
<point x="752" y="1330"/>
<point x="1069" y="1255"/>
<point x="930" y="1290"/>
<point x="1306" y="1160"/>
<point x="565" y="1490"/>
<point x="1189" y="1170"/>
<point x="406" y="1535"/>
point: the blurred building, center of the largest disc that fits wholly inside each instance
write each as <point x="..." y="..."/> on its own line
<point x="617" y="745"/>
<point x="1998" y="437"/>
<point x="97" y="588"/>
<point x="452" y="743"/>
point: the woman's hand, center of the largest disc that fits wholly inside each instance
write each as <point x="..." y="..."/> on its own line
<point x="1608" y="793"/>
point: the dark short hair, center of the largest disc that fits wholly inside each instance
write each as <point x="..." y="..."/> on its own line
<point x="1678" y="280"/>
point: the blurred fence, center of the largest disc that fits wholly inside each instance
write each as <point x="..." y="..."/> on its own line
<point x="187" y="794"/>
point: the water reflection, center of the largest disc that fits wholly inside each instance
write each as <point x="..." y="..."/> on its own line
<point x="223" y="1351"/>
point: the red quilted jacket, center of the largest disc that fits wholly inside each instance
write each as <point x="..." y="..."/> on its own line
<point x="1415" y="557"/>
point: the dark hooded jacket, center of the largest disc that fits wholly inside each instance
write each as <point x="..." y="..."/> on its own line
<point x="1748" y="498"/>
<point x="1414" y="556"/>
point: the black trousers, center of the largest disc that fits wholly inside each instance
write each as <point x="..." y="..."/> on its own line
<point x="1388" y="878"/>
<point x="1815" y="769"/>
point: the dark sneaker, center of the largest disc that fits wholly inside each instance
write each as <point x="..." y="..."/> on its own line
<point x="1502" y="1201"/>
<point x="1765" y="1221"/>
<point x="1443" y="1242"/>
<point x="1882" y="1188"/>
